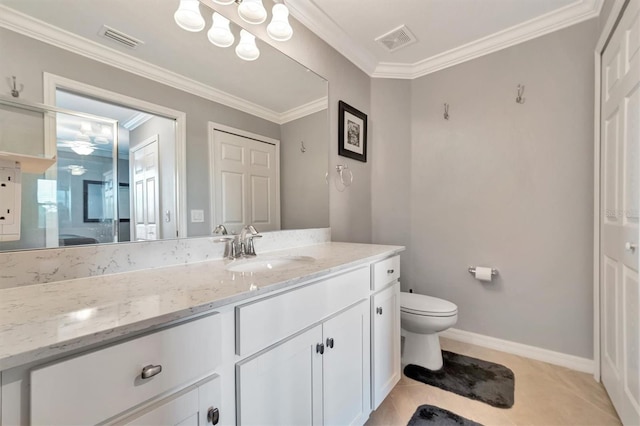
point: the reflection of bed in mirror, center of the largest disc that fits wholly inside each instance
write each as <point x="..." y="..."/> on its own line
<point x="75" y="240"/>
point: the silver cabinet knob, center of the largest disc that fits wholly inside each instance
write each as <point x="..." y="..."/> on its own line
<point x="213" y="416"/>
<point x="390" y="271"/>
<point x="630" y="246"/>
<point x="151" y="370"/>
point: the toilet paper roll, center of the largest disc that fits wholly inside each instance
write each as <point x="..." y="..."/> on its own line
<point x="483" y="273"/>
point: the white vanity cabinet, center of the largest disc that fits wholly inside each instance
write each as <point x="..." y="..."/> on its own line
<point x="193" y="406"/>
<point x="98" y="386"/>
<point x="385" y="328"/>
<point x="321" y="375"/>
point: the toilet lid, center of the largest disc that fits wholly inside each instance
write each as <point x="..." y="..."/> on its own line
<point x="420" y="304"/>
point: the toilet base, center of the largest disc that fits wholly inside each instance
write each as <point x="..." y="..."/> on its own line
<point x="422" y="349"/>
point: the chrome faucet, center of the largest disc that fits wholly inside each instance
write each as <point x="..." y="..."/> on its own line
<point x="240" y="245"/>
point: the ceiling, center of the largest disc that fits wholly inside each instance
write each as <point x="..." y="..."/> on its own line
<point x="448" y="32"/>
<point x="274" y="84"/>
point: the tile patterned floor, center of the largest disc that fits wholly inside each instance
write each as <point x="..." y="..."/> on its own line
<point x="545" y="394"/>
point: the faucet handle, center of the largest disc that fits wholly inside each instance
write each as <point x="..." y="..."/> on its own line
<point x="251" y="230"/>
<point x="251" y="249"/>
<point x="220" y="229"/>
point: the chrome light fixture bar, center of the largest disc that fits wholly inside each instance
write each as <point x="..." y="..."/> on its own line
<point x="188" y="17"/>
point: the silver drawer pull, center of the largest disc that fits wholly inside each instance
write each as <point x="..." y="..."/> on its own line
<point x="151" y="370"/>
<point x="390" y="271"/>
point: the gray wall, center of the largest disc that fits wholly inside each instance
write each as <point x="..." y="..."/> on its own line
<point x="391" y="162"/>
<point x="303" y="187"/>
<point x="165" y="129"/>
<point x="499" y="184"/>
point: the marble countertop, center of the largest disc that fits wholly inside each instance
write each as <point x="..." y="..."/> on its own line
<point x="43" y="320"/>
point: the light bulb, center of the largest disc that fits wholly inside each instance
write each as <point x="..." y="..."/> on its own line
<point x="279" y="28"/>
<point x="252" y="11"/>
<point x="188" y="16"/>
<point x="220" y="34"/>
<point x="247" y="48"/>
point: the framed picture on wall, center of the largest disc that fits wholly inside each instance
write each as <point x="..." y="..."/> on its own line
<point x="352" y="132"/>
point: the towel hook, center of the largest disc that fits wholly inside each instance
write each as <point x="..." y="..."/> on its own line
<point x="519" y="98"/>
<point x="340" y="168"/>
<point x="303" y="148"/>
<point x="14" y="88"/>
<point x="446" y="111"/>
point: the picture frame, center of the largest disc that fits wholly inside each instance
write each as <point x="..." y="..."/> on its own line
<point x="352" y="132"/>
<point x="92" y="200"/>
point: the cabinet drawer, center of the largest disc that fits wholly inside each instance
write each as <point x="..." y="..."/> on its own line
<point x="93" y="387"/>
<point x="385" y="272"/>
<point x="265" y="322"/>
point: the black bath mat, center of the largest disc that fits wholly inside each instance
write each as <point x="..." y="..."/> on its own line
<point x="427" y="415"/>
<point x="470" y="377"/>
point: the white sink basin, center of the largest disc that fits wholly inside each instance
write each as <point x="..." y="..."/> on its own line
<point x="269" y="263"/>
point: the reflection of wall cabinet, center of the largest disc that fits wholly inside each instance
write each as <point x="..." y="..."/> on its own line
<point x="319" y="377"/>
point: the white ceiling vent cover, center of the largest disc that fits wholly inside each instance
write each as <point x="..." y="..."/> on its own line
<point x="119" y="37"/>
<point x="397" y="38"/>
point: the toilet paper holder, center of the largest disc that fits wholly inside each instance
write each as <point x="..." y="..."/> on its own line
<point x="472" y="270"/>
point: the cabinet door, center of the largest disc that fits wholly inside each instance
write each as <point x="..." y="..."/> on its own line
<point x="385" y="351"/>
<point x="188" y="407"/>
<point x="346" y="367"/>
<point x="282" y="386"/>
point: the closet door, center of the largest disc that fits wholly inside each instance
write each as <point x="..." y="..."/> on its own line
<point x="620" y="208"/>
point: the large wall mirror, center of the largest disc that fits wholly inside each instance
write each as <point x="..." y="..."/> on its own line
<point x="173" y="135"/>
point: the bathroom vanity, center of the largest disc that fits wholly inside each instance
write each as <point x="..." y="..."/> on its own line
<point x="304" y="336"/>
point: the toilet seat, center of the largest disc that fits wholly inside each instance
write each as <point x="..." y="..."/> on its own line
<point x="420" y="304"/>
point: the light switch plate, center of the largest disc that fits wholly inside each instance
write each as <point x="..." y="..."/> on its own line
<point x="197" y="216"/>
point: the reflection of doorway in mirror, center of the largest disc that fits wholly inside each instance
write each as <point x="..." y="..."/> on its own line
<point x="245" y="173"/>
<point x="145" y="194"/>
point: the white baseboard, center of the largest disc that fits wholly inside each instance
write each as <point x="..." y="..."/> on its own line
<point x="557" y="358"/>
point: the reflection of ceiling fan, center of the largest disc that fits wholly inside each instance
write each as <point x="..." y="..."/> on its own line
<point x="85" y="141"/>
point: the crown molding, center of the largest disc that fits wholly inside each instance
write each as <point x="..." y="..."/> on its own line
<point x="307" y="12"/>
<point x="304" y="110"/>
<point x="564" y="17"/>
<point x="136" y="121"/>
<point x="312" y="17"/>
<point x="47" y="33"/>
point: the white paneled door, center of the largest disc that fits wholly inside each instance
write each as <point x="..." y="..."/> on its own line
<point x="620" y="205"/>
<point x="245" y="182"/>
<point x="145" y="195"/>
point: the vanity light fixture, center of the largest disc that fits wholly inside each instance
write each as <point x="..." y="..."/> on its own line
<point x="220" y="33"/>
<point x="188" y="16"/>
<point x="253" y="12"/>
<point x="246" y="48"/>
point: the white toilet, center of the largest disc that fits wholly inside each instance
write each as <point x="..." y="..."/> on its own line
<point x="421" y="318"/>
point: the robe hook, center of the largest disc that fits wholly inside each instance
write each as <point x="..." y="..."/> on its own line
<point x="520" y="98"/>
<point x="14" y="88"/>
<point x="446" y="111"/>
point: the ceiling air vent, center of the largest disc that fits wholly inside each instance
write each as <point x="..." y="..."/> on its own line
<point x="120" y="37"/>
<point x="397" y="38"/>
